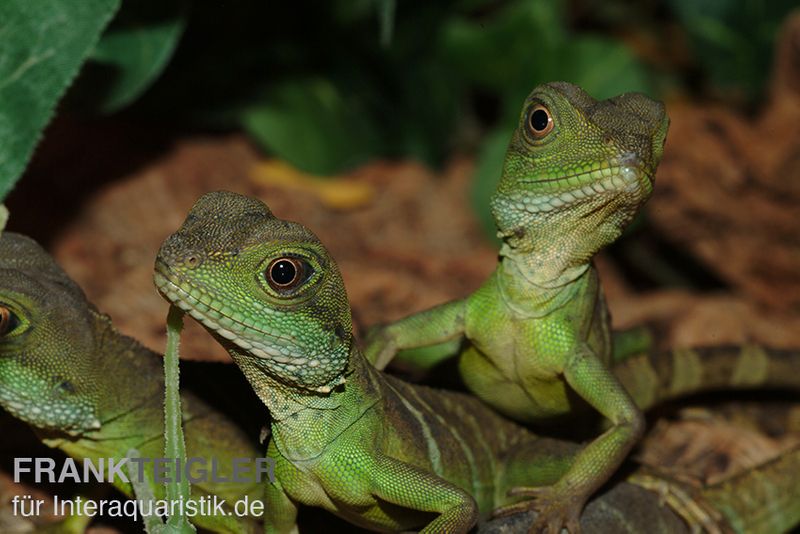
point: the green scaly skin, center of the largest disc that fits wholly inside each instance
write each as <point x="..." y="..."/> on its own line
<point x="653" y="377"/>
<point x="538" y="332"/>
<point x="92" y="392"/>
<point x="378" y="452"/>
<point x="760" y="500"/>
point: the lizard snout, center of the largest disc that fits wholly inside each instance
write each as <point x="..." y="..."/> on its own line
<point x="177" y="254"/>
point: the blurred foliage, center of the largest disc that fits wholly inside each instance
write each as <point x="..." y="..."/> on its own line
<point x="44" y="44"/>
<point x="732" y="40"/>
<point x="335" y="97"/>
<point x="330" y="84"/>
<point x="309" y="120"/>
<point x="133" y="51"/>
<point x="320" y="91"/>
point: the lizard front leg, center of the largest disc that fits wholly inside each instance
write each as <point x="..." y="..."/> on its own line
<point x="406" y="485"/>
<point x="281" y="511"/>
<point x="560" y="505"/>
<point x="430" y="327"/>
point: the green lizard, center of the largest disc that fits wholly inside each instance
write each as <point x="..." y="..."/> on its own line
<point x="538" y="330"/>
<point x="576" y="172"/>
<point x="376" y="451"/>
<point x="94" y="393"/>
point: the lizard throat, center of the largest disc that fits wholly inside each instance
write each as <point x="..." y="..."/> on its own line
<point x="278" y="353"/>
<point x="42" y="407"/>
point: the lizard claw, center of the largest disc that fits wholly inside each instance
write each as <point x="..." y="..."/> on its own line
<point x="554" y="511"/>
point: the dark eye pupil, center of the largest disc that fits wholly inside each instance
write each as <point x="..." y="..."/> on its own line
<point x="283" y="272"/>
<point x="8" y="321"/>
<point x="539" y="120"/>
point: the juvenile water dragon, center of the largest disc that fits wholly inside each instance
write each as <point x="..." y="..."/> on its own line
<point x="378" y="452"/>
<point x="537" y="332"/>
<point x="94" y="393"/>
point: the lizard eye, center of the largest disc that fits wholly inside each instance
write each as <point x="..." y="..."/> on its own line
<point x="540" y="122"/>
<point x="287" y="273"/>
<point x="8" y="321"/>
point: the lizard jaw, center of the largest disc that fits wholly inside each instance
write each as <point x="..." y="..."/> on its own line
<point x="624" y="176"/>
<point x="172" y="289"/>
<point x="186" y="296"/>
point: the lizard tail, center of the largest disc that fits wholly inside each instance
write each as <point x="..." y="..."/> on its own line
<point x="655" y="377"/>
<point x="763" y="499"/>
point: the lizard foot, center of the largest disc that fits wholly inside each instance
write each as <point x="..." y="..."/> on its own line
<point x="554" y="510"/>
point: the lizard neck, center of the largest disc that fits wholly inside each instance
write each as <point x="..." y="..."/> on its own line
<point x="553" y="248"/>
<point x="127" y="397"/>
<point x="130" y="379"/>
<point x="533" y="287"/>
<point x="295" y="412"/>
<point x="543" y="261"/>
<point x="546" y="269"/>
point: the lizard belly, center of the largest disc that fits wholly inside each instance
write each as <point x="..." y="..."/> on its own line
<point x="515" y="363"/>
<point x="530" y="400"/>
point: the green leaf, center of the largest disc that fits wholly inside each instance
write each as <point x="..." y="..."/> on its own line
<point x="44" y="45"/>
<point x="132" y="53"/>
<point x="313" y="125"/>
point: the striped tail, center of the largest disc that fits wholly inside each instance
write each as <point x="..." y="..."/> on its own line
<point x="761" y="500"/>
<point x="656" y="377"/>
<point x="764" y="499"/>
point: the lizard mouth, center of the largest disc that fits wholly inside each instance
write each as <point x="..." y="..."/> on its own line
<point x="209" y="312"/>
<point x="283" y="356"/>
<point x="624" y="167"/>
<point x="623" y="176"/>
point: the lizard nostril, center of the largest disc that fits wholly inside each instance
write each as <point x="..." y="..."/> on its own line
<point x="191" y="261"/>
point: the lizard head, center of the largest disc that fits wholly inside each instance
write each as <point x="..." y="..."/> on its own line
<point x="265" y="288"/>
<point x="578" y="167"/>
<point x="47" y="342"/>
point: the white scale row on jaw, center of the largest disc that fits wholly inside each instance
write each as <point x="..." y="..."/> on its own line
<point x="625" y="182"/>
<point x="190" y="304"/>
